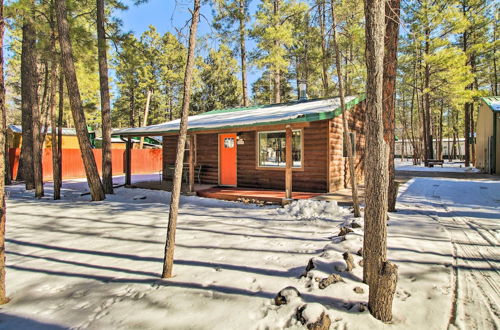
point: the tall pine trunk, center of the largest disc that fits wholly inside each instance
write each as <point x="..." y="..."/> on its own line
<point x="68" y="66"/>
<point x="56" y="79"/>
<point x="58" y="173"/>
<point x="277" y="73"/>
<point x="145" y="119"/>
<point x="324" y="51"/>
<point x="427" y="102"/>
<point x="53" y="133"/>
<point x="132" y="107"/>
<point x="390" y="67"/>
<point x="468" y="105"/>
<point x="473" y="145"/>
<point x="277" y="86"/>
<point x="494" y="88"/>
<point x="168" y="261"/>
<point x="3" y="207"/>
<point x="440" y="131"/>
<point x="32" y="153"/>
<point x="467" y="111"/>
<point x="38" y="139"/>
<point x="29" y="89"/>
<point x="347" y="136"/>
<point x="243" y="52"/>
<point x="107" y="173"/>
<point x="379" y="273"/>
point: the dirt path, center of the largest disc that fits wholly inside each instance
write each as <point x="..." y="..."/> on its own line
<point x="470" y="211"/>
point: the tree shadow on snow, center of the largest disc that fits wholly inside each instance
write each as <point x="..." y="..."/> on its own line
<point x="9" y="321"/>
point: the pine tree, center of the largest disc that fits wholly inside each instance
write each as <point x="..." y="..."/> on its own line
<point x="379" y="273"/>
<point x="220" y="87"/>
<point x="273" y="31"/>
<point x="262" y="89"/>
<point x="228" y="14"/>
<point x="129" y="60"/>
<point x="473" y="41"/>
<point x="176" y="185"/>
<point x="432" y="25"/>
<point x="3" y="134"/>
<point x="107" y="173"/>
<point x="347" y="139"/>
<point x="172" y="62"/>
<point x="68" y="66"/>
<point x="390" y="68"/>
<point x="29" y="96"/>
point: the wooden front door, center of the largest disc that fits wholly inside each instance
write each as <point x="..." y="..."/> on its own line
<point x="227" y="159"/>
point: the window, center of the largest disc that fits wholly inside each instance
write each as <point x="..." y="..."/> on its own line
<point x="352" y="135"/>
<point x="272" y="149"/>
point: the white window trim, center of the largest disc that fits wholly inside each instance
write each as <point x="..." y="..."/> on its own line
<point x="280" y="167"/>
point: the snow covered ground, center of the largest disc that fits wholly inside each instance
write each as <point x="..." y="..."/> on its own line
<point x="470" y="212"/>
<point x="80" y="264"/>
<point x="455" y="167"/>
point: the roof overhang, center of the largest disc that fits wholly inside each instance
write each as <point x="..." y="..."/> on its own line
<point x="493" y="102"/>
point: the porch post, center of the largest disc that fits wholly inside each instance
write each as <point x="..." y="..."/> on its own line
<point x="289" y="160"/>
<point x="191" y="163"/>
<point x="128" y="162"/>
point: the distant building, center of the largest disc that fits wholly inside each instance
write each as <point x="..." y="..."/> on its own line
<point x="446" y="152"/>
<point x="69" y="138"/>
<point x="488" y="135"/>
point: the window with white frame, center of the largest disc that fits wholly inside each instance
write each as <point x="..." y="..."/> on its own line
<point x="272" y="148"/>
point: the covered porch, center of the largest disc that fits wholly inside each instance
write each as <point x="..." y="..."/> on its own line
<point x="193" y="171"/>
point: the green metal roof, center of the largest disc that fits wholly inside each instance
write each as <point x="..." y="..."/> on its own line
<point x="283" y="113"/>
<point x="493" y="102"/>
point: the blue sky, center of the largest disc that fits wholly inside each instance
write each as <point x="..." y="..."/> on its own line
<point x="170" y="15"/>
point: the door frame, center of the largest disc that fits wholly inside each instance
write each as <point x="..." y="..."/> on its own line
<point x="219" y="157"/>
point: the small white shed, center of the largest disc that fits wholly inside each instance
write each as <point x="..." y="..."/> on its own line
<point x="488" y="135"/>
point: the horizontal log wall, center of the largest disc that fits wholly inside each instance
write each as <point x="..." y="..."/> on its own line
<point x="337" y="162"/>
<point x="206" y="155"/>
<point x="312" y="178"/>
<point x="339" y="166"/>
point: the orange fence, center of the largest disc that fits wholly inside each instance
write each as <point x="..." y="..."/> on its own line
<point x="143" y="161"/>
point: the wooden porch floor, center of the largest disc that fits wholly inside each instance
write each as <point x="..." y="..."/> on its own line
<point x="342" y="197"/>
<point x="252" y="195"/>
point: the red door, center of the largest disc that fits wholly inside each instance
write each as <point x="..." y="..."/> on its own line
<point x="227" y="159"/>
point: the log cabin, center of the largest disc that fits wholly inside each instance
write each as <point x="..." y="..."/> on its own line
<point x="247" y="147"/>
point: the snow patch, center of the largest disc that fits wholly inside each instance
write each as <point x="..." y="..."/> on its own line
<point x="309" y="209"/>
<point x="312" y="312"/>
